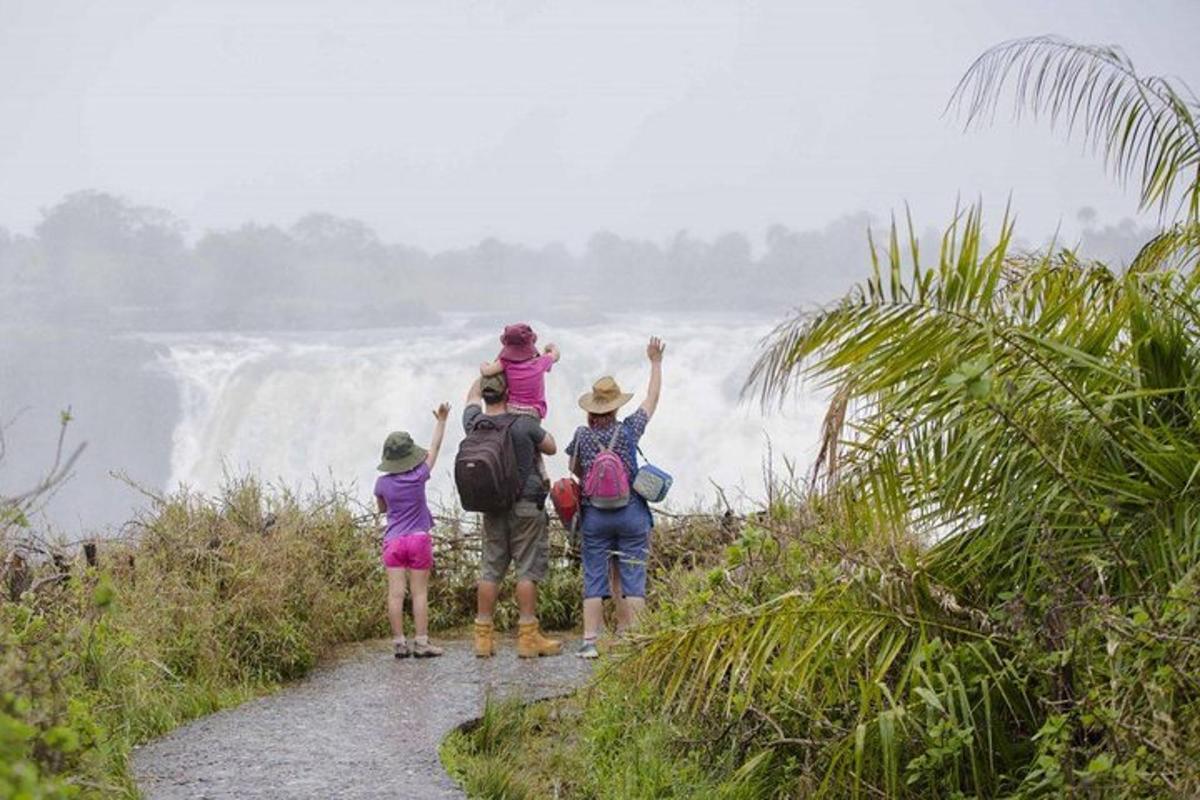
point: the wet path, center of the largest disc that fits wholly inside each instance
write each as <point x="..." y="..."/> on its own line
<point x="363" y="726"/>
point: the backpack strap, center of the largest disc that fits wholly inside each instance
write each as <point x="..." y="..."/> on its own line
<point x="612" y="443"/>
<point x="484" y="421"/>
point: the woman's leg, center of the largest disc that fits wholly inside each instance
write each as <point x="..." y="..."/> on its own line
<point x="614" y="581"/>
<point x="395" y="601"/>
<point x="593" y="618"/>
<point x="634" y="546"/>
<point x="597" y="551"/>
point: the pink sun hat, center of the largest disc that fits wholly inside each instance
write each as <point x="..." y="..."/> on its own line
<point x="518" y="341"/>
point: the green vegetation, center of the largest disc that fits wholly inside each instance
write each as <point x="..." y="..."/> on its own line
<point x="992" y="589"/>
<point x="209" y="601"/>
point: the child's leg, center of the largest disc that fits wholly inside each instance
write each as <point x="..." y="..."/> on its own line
<point x="395" y="601"/>
<point x="420" y="602"/>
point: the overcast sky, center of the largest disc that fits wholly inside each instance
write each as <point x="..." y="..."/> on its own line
<point x="439" y="123"/>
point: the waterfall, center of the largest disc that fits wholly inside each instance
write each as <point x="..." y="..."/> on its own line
<point x="296" y="407"/>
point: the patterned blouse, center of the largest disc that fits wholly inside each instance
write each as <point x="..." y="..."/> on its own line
<point x="588" y="442"/>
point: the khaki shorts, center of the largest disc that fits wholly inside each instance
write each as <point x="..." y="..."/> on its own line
<point x="520" y="537"/>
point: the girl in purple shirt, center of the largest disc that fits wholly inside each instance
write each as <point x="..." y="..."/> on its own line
<point x="407" y="544"/>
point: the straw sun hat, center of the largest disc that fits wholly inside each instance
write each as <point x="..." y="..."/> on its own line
<point x="605" y="397"/>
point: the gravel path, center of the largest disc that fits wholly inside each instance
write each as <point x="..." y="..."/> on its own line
<point x="364" y="725"/>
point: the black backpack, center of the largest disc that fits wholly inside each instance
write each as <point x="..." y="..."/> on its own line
<point x="485" y="470"/>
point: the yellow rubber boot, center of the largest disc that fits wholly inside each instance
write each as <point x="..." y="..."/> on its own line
<point x="485" y="640"/>
<point x="531" y="643"/>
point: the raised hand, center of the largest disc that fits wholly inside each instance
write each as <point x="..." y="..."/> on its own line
<point x="655" y="350"/>
<point x="442" y="412"/>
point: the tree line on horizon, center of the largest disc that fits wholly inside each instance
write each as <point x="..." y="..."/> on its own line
<point x="96" y="260"/>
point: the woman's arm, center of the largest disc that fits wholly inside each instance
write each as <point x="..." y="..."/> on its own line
<point x="380" y="504"/>
<point x="441" y="413"/>
<point x="654" y="352"/>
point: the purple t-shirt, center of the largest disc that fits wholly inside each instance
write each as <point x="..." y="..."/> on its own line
<point x="404" y="494"/>
<point x="527" y="382"/>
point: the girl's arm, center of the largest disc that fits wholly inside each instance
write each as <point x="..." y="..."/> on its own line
<point x="654" y="352"/>
<point x="489" y="368"/>
<point x="441" y="413"/>
<point x="381" y="506"/>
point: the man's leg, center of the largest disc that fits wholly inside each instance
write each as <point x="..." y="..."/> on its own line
<point x="486" y="593"/>
<point x="496" y="555"/>
<point x="530" y="551"/>
<point x="527" y="601"/>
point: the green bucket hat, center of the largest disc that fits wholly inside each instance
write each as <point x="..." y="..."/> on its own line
<point x="400" y="454"/>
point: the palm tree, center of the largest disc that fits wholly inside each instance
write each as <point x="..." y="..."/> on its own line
<point x="1144" y="126"/>
<point x="1013" y="488"/>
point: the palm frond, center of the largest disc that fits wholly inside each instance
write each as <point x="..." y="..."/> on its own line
<point x="996" y="396"/>
<point x="1145" y="126"/>
<point x="1177" y="248"/>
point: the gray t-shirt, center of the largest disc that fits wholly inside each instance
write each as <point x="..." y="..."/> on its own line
<point x="526" y="434"/>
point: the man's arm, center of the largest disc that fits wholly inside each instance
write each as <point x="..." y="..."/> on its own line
<point x="547" y="445"/>
<point x="654" y="352"/>
<point x="475" y="393"/>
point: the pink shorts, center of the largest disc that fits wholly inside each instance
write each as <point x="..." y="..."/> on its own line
<point x="410" y="551"/>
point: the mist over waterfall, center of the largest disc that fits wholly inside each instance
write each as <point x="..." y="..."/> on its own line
<point x="298" y="407"/>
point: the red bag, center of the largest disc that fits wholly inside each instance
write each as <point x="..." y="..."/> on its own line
<point x="566" y="495"/>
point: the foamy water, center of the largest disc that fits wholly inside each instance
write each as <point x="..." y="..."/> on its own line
<point x="291" y="407"/>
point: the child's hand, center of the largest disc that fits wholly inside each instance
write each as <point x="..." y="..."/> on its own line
<point x="442" y="412"/>
<point x="654" y="350"/>
<point x="552" y="351"/>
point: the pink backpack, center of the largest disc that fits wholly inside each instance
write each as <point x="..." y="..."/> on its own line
<point x="607" y="482"/>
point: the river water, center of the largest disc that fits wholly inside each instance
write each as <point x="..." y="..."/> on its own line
<point x="294" y="407"/>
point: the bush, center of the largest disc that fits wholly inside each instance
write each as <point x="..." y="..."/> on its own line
<point x="208" y="602"/>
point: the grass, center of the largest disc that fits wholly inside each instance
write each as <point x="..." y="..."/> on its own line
<point x="207" y="602"/>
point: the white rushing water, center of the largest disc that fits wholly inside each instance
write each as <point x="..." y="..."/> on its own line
<point x="293" y="407"/>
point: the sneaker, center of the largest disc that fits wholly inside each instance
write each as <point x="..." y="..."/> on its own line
<point x="588" y="650"/>
<point x="400" y="649"/>
<point x="425" y="650"/>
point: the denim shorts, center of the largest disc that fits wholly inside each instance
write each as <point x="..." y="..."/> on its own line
<point x="621" y="532"/>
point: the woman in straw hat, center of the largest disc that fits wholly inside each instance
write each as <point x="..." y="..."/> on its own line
<point x="407" y="544"/>
<point x="623" y="532"/>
